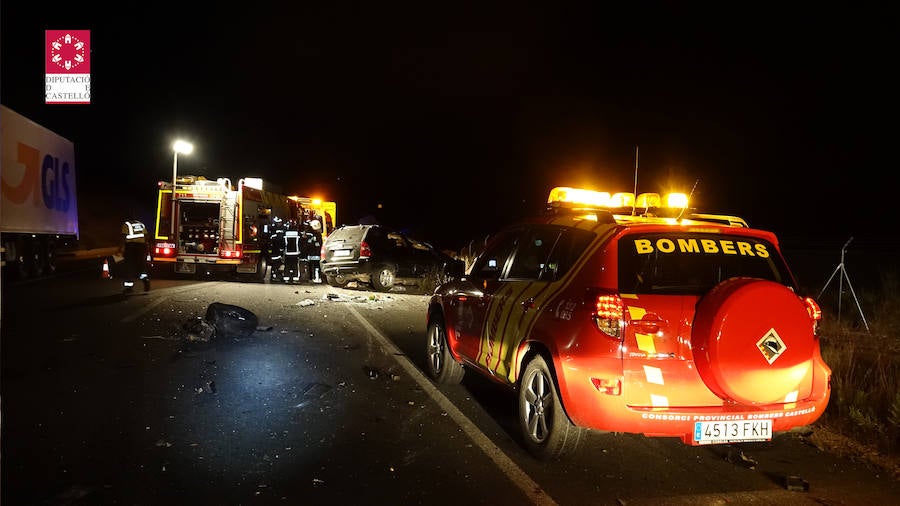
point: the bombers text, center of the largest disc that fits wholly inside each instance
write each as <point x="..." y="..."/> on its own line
<point x="705" y="246"/>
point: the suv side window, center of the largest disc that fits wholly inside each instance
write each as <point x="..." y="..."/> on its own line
<point x="532" y="253"/>
<point x="569" y="248"/>
<point x="492" y="261"/>
<point x="397" y="241"/>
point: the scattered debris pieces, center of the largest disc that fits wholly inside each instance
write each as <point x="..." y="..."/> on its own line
<point x="222" y="320"/>
<point x="796" y="484"/>
<point x="372" y="297"/>
<point x="736" y="456"/>
<point x="199" y="329"/>
<point x="231" y="321"/>
<point x="313" y="391"/>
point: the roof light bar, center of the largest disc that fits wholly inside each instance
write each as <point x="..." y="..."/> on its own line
<point x="590" y="198"/>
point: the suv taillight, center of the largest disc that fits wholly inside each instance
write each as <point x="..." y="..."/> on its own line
<point x="609" y="315"/>
<point x="364" y="250"/>
<point x="815" y="312"/>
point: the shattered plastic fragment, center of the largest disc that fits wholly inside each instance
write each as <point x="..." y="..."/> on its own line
<point x="737" y="457"/>
<point x="231" y="321"/>
<point x="796" y="484"/>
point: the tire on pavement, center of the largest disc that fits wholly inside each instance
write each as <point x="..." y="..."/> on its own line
<point x="547" y="431"/>
<point x="441" y="366"/>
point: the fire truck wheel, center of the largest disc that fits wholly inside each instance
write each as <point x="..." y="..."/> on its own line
<point x="441" y="367"/>
<point x="548" y="432"/>
<point x="383" y="277"/>
<point x="262" y="268"/>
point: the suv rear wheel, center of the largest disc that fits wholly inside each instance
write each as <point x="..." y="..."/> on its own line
<point x="383" y="277"/>
<point x="548" y="432"/>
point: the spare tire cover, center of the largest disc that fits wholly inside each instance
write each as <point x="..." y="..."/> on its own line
<point x="753" y="342"/>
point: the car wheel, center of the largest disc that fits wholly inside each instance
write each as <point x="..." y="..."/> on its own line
<point x="383" y="277"/>
<point x="336" y="280"/>
<point x="441" y="367"/>
<point x="548" y="432"/>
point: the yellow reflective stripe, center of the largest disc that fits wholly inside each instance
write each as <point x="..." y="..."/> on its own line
<point x="636" y="313"/>
<point x="503" y="330"/>
<point x="645" y="343"/>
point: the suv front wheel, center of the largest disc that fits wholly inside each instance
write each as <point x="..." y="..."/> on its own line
<point x="441" y="366"/>
<point x="383" y="277"/>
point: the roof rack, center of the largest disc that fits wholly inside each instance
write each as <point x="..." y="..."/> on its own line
<point x="599" y="214"/>
<point x="724" y="219"/>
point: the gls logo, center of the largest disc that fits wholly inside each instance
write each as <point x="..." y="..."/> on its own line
<point x="54" y="179"/>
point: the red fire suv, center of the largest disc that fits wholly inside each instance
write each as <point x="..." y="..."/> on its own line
<point x="627" y="313"/>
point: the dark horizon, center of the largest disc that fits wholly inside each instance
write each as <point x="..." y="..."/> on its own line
<point x="458" y="121"/>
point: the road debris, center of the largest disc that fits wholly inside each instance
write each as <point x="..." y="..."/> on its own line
<point x="312" y="392"/>
<point x="736" y="456"/>
<point x="796" y="484"/>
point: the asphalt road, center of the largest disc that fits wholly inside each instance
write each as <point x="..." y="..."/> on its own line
<point x="112" y="398"/>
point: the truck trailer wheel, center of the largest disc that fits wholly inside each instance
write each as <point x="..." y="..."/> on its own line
<point x="49" y="250"/>
<point x="25" y="254"/>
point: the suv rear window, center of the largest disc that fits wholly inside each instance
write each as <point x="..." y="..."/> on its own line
<point x="693" y="263"/>
<point x="348" y="234"/>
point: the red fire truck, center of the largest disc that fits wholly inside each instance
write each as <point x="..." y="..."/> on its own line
<point x="210" y="227"/>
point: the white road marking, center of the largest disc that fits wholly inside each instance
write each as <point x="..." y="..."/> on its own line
<point x="528" y="486"/>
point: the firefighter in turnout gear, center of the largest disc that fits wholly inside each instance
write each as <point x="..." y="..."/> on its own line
<point x="135" y="255"/>
<point x="311" y="244"/>
<point x="276" y="248"/>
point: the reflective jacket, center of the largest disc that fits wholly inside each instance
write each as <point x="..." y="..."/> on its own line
<point x="134" y="231"/>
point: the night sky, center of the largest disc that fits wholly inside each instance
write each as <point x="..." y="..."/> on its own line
<point x="457" y="118"/>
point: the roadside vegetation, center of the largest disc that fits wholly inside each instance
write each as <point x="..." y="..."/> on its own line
<point x="863" y="415"/>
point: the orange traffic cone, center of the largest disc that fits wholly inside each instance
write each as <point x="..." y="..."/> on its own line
<point x="105" y="273"/>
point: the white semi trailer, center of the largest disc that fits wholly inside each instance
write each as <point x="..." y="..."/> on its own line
<point x="39" y="212"/>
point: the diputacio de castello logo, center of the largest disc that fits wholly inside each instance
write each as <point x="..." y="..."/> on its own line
<point x="67" y="67"/>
